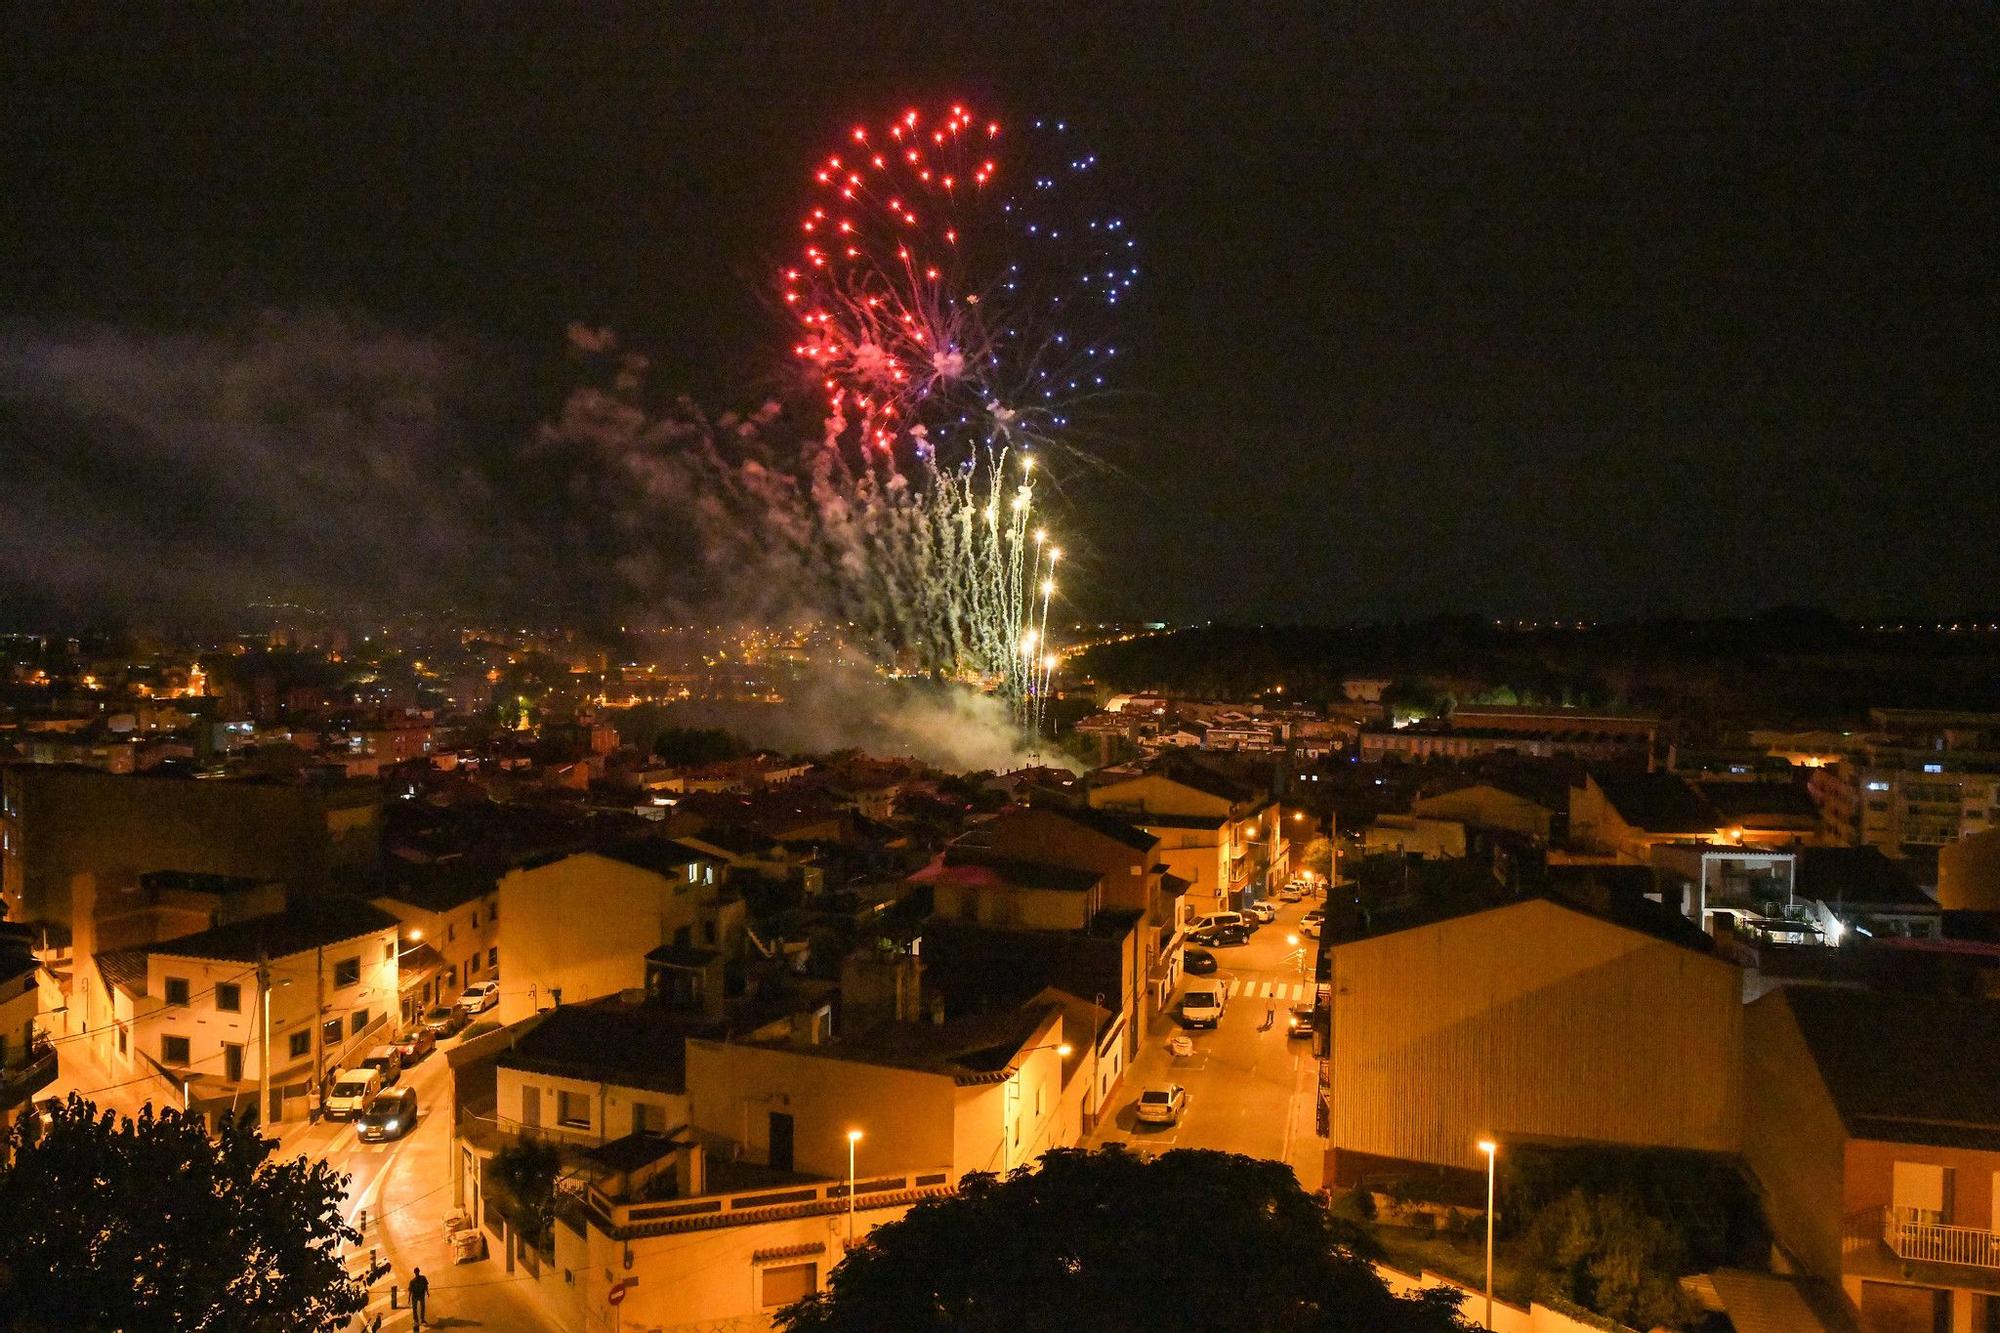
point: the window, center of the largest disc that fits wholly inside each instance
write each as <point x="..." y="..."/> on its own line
<point x="789" y="1282"/>
<point x="228" y="997"/>
<point x="301" y="1045"/>
<point x="232" y="1062"/>
<point x="347" y="972"/>
<point x="124" y="1044"/>
<point x="389" y="951"/>
<point x="475" y="918"/>
<point x="173" y="1050"/>
<point x="493" y="956"/>
<point x="450" y="934"/>
<point x="708" y="932"/>
<point x="573" y="1109"/>
<point x="649" y="1118"/>
<point x="493" y="911"/>
<point x="472" y="967"/>
<point x="357" y="1022"/>
<point x="329" y="1033"/>
<point x="177" y="990"/>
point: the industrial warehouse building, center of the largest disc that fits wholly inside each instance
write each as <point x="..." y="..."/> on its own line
<point x="1535" y="1020"/>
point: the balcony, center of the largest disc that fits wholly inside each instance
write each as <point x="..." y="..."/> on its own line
<point x="1912" y="1238"/>
<point x="626" y="1221"/>
<point x="22" y="1081"/>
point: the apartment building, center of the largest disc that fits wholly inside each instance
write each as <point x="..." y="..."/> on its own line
<point x="187" y="1014"/>
<point x="1918" y="781"/>
<point x="1220" y="836"/>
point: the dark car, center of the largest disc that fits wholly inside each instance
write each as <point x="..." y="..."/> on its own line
<point x="415" y="1044"/>
<point x="1222" y="937"/>
<point x="1301" y="1021"/>
<point x="447" y="1020"/>
<point x="391" y="1115"/>
<point x="1199" y="962"/>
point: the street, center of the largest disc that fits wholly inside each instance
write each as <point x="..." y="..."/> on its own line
<point x="398" y="1195"/>
<point x="1250" y="1084"/>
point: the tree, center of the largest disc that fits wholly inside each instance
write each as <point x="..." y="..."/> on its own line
<point x="1112" y="1240"/>
<point x="527" y="1170"/>
<point x="154" y="1223"/>
<point x="1318" y="857"/>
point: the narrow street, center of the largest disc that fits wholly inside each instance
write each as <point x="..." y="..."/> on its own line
<point x="1250" y="1084"/>
<point x="399" y="1194"/>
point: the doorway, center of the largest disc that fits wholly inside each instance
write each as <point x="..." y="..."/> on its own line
<point x="781" y="1140"/>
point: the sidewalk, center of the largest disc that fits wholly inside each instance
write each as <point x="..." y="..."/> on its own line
<point x="407" y="1223"/>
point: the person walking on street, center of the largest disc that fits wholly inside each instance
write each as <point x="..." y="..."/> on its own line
<point x="420" y="1287"/>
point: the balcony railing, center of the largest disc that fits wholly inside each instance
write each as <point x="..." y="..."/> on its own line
<point x="25" y="1080"/>
<point x="1910" y="1236"/>
<point x="743" y="1207"/>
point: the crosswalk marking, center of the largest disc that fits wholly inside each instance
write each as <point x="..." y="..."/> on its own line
<point x="1254" y="989"/>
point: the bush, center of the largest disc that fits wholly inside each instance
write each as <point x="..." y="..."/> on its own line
<point x="1605" y="1253"/>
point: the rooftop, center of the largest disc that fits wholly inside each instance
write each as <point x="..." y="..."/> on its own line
<point x="611" y="1041"/>
<point x="978" y="1048"/>
<point x="1856" y="876"/>
<point x="1657" y="802"/>
<point x="124" y="969"/>
<point x="1905" y="1068"/>
<point x="972" y="867"/>
<point x="304" y="925"/>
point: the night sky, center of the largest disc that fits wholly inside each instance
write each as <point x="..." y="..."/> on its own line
<point x="1486" y="308"/>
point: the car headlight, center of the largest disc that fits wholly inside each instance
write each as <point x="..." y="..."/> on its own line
<point x="392" y="1124"/>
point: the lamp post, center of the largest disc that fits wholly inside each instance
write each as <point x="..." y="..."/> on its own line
<point x="1492" y="1151"/>
<point x="1063" y="1051"/>
<point x="853" y="1138"/>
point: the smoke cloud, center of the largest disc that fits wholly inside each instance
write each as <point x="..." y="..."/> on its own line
<point x="324" y="460"/>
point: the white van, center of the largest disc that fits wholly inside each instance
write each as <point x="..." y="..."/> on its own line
<point x="1203" y="1002"/>
<point x="1214" y="919"/>
<point x="350" y="1092"/>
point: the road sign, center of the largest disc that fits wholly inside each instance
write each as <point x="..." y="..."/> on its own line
<point x="618" y="1290"/>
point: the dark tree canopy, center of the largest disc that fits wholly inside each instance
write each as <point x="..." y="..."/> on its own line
<point x="1112" y="1240"/>
<point x="153" y="1223"/>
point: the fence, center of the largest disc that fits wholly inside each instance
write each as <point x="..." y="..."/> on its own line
<point x="759" y="1205"/>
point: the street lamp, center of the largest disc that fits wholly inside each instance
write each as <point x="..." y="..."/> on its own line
<point x="1492" y="1151"/>
<point x="853" y="1137"/>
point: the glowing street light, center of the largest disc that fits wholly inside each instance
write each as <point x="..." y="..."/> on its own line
<point x="855" y="1137"/>
<point x="1492" y="1151"/>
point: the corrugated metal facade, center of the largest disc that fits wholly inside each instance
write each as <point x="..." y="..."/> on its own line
<point x="1531" y="1021"/>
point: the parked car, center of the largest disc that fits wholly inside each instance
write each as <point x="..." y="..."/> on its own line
<point x="350" y="1092"/>
<point x="1162" y="1103"/>
<point x="1197" y="962"/>
<point x="447" y="1020"/>
<point x="1311" y="928"/>
<point x="415" y="1044"/>
<point x="1202" y="1006"/>
<point x="1262" y="912"/>
<point x="1292" y="892"/>
<point x="390" y="1116"/>
<point x="385" y="1060"/>
<point x="479" y="997"/>
<point x="1222" y="937"/>
<point x="1301" y="1021"/>
<point x="1215" y="919"/>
